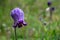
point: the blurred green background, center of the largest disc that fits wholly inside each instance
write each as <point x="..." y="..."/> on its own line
<point x="35" y="30"/>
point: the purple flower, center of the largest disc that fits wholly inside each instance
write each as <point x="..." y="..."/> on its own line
<point x="18" y="16"/>
<point x="52" y="9"/>
<point x="49" y="3"/>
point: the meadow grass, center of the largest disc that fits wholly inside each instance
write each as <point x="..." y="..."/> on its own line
<point x="35" y="30"/>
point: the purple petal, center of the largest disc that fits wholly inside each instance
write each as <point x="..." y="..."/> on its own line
<point x="24" y="23"/>
<point x="18" y="16"/>
<point x="15" y="25"/>
<point x="20" y="24"/>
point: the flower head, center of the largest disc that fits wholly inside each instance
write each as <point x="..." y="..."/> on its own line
<point x="18" y="16"/>
<point x="49" y="3"/>
<point x="52" y="9"/>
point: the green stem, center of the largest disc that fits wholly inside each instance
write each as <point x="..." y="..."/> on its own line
<point x="15" y="35"/>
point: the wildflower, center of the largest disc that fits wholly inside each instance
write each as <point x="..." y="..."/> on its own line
<point x="45" y="23"/>
<point x="52" y="8"/>
<point x="18" y="16"/>
<point x="49" y="10"/>
<point x="49" y="3"/>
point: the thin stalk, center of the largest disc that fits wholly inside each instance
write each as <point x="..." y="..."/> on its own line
<point x="15" y="34"/>
<point x="50" y="14"/>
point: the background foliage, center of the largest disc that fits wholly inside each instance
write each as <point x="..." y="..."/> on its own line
<point x="35" y="30"/>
